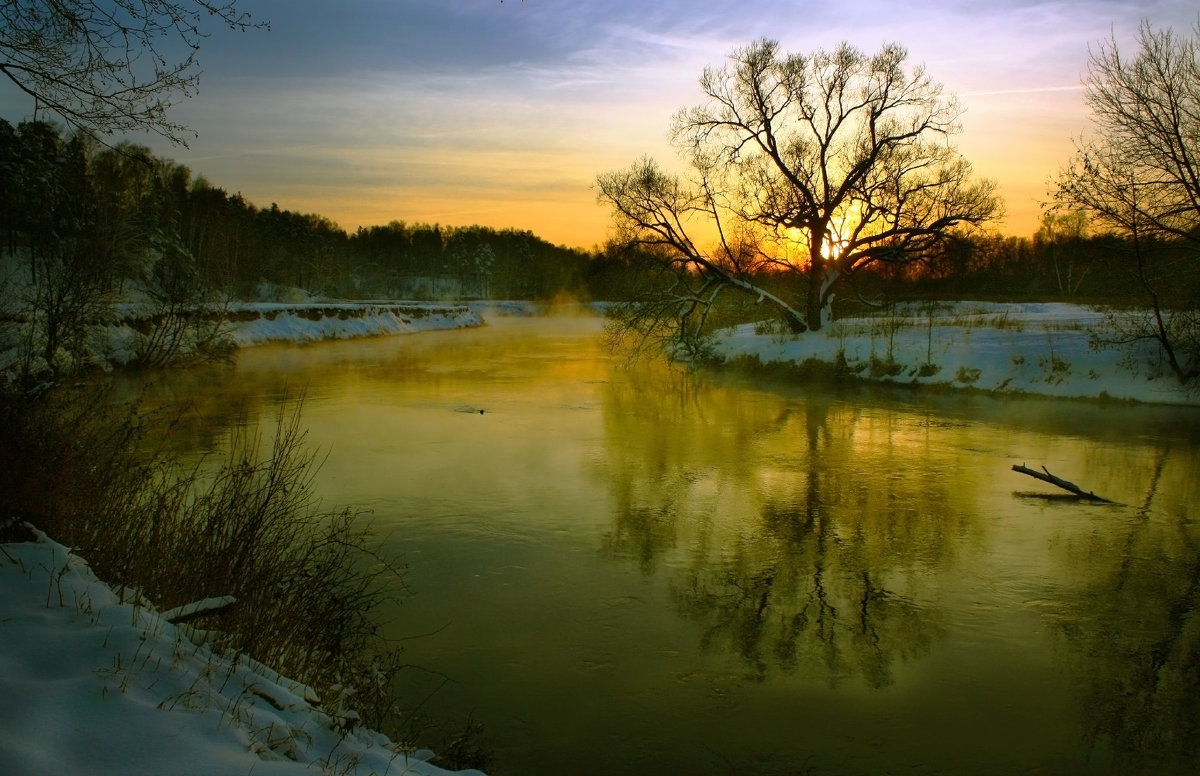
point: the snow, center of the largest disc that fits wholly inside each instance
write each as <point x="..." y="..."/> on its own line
<point x="92" y="685"/>
<point x="1004" y="348"/>
<point x="256" y="323"/>
<point x="197" y="608"/>
<point x="280" y="322"/>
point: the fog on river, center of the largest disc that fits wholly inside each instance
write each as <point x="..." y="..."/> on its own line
<point x="638" y="570"/>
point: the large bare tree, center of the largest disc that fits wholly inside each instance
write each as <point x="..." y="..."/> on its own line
<point x="1137" y="174"/>
<point x="110" y="66"/>
<point x="813" y="166"/>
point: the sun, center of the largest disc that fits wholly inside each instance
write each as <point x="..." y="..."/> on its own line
<point x="797" y="249"/>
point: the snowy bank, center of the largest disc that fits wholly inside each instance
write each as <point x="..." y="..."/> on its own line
<point x="1042" y="349"/>
<point x="254" y="323"/>
<point x="127" y="331"/>
<point x="91" y="685"/>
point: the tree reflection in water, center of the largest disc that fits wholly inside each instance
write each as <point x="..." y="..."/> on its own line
<point x="806" y="536"/>
<point x="797" y="534"/>
<point x="1134" y="629"/>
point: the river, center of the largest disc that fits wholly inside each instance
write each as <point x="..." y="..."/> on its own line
<point x="641" y="571"/>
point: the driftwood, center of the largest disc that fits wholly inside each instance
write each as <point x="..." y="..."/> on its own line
<point x="1060" y="482"/>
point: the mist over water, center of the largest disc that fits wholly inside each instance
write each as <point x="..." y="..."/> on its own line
<point x="637" y="570"/>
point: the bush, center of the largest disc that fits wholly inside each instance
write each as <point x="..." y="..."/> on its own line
<point x="306" y="580"/>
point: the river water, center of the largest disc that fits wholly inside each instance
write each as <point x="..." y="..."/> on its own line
<point x="638" y="571"/>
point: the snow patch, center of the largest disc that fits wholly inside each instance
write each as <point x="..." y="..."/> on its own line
<point x="1037" y="348"/>
<point x="91" y="685"/>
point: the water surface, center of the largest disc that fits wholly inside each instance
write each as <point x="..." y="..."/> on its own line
<point x="640" y="571"/>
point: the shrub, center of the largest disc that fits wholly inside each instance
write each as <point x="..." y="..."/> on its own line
<point x="306" y="580"/>
<point x="1057" y="369"/>
<point x="928" y="369"/>
<point x="967" y="375"/>
<point x="884" y="367"/>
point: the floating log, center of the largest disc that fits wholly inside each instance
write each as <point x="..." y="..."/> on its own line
<point x="1059" y="481"/>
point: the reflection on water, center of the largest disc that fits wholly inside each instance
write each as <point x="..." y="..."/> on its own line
<point x="797" y="559"/>
<point x="642" y="571"/>
<point x="1133" y="627"/>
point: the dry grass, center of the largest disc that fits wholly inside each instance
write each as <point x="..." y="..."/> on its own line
<point x="306" y="580"/>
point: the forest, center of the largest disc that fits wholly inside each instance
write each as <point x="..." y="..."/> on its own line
<point x="123" y="214"/>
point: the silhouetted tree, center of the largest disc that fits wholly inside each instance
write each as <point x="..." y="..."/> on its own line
<point x="810" y="165"/>
<point x="1138" y="175"/>
<point x="10" y="155"/>
<point x="70" y="261"/>
<point x="1061" y="238"/>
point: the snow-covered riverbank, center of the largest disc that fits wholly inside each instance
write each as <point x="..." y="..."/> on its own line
<point x="254" y="323"/>
<point x="90" y="685"/>
<point x="1004" y="348"/>
<point x="1044" y="349"/>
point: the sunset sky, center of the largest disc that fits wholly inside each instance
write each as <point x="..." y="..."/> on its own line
<point x="502" y="113"/>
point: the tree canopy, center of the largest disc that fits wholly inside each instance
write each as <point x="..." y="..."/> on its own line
<point x="1139" y="168"/>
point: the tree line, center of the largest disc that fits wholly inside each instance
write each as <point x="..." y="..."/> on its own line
<point x="126" y="214"/>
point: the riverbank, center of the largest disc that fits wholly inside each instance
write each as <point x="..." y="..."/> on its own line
<point x="1041" y="349"/>
<point x="87" y="679"/>
<point x="244" y="324"/>
<point x="93" y="685"/>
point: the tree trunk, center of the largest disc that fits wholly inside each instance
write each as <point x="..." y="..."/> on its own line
<point x="816" y="284"/>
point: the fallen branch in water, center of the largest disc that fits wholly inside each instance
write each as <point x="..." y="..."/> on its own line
<point x="1060" y="482"/>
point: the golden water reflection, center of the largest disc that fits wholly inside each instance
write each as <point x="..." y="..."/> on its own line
<point x="796" y="556"/>
<point x="648" y="571"/>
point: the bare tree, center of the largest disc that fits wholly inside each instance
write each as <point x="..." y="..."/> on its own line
<point x="1061" y="237"/>
<point x="811" y="166"/>
<point x="110" y="67"/>
<point x="1137" y="174"/>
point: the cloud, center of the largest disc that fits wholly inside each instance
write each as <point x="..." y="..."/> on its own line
<point x="369" y="103"/>
<point x="1025" y="90"/>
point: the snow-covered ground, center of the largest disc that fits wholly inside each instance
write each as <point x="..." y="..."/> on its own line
<point x="90" y="685"/>
<point x="999" y="347"/>
<point x="254" y="323"/>
<point x="120" y="340"/>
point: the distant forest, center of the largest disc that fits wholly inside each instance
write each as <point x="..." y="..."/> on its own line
<point x="128" y="215"/>
<point x="119" y="214"/>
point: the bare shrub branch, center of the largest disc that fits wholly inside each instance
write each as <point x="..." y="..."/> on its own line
<point x="111" y="67"/>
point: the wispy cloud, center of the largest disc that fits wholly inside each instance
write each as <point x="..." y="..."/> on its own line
<point x="1024" y="90"/>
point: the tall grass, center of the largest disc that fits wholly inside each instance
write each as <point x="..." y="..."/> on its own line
<point x="306" y="580"/>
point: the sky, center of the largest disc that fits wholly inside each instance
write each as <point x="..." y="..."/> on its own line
<point x="502" y="114"/>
